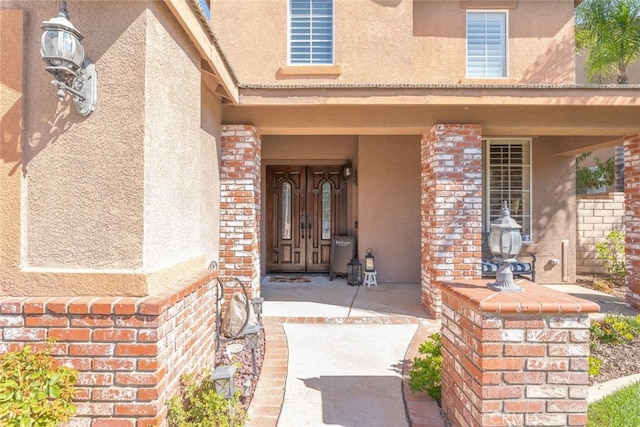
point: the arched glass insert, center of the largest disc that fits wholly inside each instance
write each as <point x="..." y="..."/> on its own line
<point x="286" y="211"/>
<point x="326" y="211"/>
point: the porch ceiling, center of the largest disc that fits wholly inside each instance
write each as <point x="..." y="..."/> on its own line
<point x="606" y="113"/>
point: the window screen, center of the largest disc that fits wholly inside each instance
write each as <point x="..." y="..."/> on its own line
<point x="310" y="32"/>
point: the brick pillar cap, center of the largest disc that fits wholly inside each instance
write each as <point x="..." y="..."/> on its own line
<point x="534" y="299"/>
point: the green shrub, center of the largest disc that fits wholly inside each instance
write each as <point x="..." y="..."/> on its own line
<point x="426" y="372"/>
<point x="33" y="391"/>
<point x="611" y="253"/>
<point x="200" y="406"/>
<point x="595" y="363"/>
<point x="614" y="329"/>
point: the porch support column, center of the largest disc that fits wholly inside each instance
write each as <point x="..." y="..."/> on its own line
<point x="240" y="162"/>
<point x="451" y="208"/>
<point x="632" y="218"/>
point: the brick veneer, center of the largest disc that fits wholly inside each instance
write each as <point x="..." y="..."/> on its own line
<point x="632" y="218"/>
<point x="514" y="358"/>
<point x="240" y="206"/>
<point x="451" y="208"/>
<point x="130" y="352"/>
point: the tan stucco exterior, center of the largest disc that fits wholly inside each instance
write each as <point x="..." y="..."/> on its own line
<point x="123" y="202"/>
<point x="420" y="42"/>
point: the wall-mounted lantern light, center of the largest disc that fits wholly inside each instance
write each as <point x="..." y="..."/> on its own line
<point x="350" y="174"/>
<point x="63" y="55"/>
<point x="505" y="242"/>
<point x="354" y="272"/>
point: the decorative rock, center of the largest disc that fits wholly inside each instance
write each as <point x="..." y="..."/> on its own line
<point x="236" y="315"/>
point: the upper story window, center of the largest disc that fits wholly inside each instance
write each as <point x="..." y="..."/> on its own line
<point x="486" y="44"/>
<point x="507" y="177"/>
<point x="310" y="32"/>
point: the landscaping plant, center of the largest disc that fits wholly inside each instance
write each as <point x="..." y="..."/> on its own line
<point x="611" y="253"/>
<point x="33" y="390"/>
<point x="426" y="372"/>
<point x="200" y="405"/>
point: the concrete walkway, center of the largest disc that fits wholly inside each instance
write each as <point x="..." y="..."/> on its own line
<point x="335" y="354"/>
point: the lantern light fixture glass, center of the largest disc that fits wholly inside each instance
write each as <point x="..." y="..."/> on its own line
<point x="505" y="243"/>
<point x="350" y="174"/>
<point x="62" y="52"/>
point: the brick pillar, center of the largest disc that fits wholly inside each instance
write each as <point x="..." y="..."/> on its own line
<point x="451" y="208"/>
<point x="632" y="218"/>
<point x="130" y="351"/>
<point x="240" y="163"/>
<point x="514" y="358"/>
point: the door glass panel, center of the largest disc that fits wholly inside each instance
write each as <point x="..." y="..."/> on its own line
<point x="286" y="211"/>
<point x="326" y="211"/>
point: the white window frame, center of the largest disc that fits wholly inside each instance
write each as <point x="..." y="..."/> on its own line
<point x="524" y="217"/>
<point x="504" y="55"/>
<point x="289" y="39"/>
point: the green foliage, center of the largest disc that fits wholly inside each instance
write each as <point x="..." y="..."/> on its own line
<point x="595" y="363"/>
<point x="590" y="178"/>
<point x="615" y="329"/>
<point x="200" y="406"/>
<point x="609" y="31"/>
<point x="612" y="254"/>
<point x="426" y="372"/>
<point x="33" y="391"/>
<point x="617" y="409"/>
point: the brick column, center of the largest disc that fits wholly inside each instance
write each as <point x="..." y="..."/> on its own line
<point x="514" y="358"/>
<point x="451" y="208"/>
<point x="130" y="352"/>
<point x="240" y="163"/>
<point x="632" y="218"/>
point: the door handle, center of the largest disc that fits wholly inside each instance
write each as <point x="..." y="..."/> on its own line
<point x="302" y="226"/>
<point x="309" y="224"/>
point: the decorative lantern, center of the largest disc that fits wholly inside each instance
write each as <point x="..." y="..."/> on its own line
<point x="354" y="272"/>
<point x="251" y="335"/>
<point x="223" y="380"/>
<point x="369" y="266"/>
<point x="61" y="50"/>
<point x="505" y="242"/>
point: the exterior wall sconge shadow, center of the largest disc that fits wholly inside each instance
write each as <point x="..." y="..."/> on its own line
<point x="505" y="242"/>
<point x="63" y="55"/>
<point x="350" y="174"/>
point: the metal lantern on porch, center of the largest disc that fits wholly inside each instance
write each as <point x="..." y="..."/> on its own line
<point x="369" y="265"/>
<point x="354" y="272"/>
<point x="505" y="243"/>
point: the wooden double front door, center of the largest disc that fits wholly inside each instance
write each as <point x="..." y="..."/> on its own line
<point x="306" y="205"/>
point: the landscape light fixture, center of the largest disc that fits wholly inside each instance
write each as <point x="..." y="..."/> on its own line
<point x="63" y="55"/>
<point x="223" y="380"/>
<point x="251" y="336"/>
<point x="505" y="242"/>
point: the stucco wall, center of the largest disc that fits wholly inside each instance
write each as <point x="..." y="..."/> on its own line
<point x="554" y="212"/>
<point x="125" y="201"/>
<point x="410" y="42"/>
<point x="389" y="205"/>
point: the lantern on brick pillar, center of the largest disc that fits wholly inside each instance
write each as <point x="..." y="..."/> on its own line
<point x="505" y="242"/>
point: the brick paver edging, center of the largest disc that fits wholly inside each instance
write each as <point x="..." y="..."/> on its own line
<point x="268" y="398"/>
